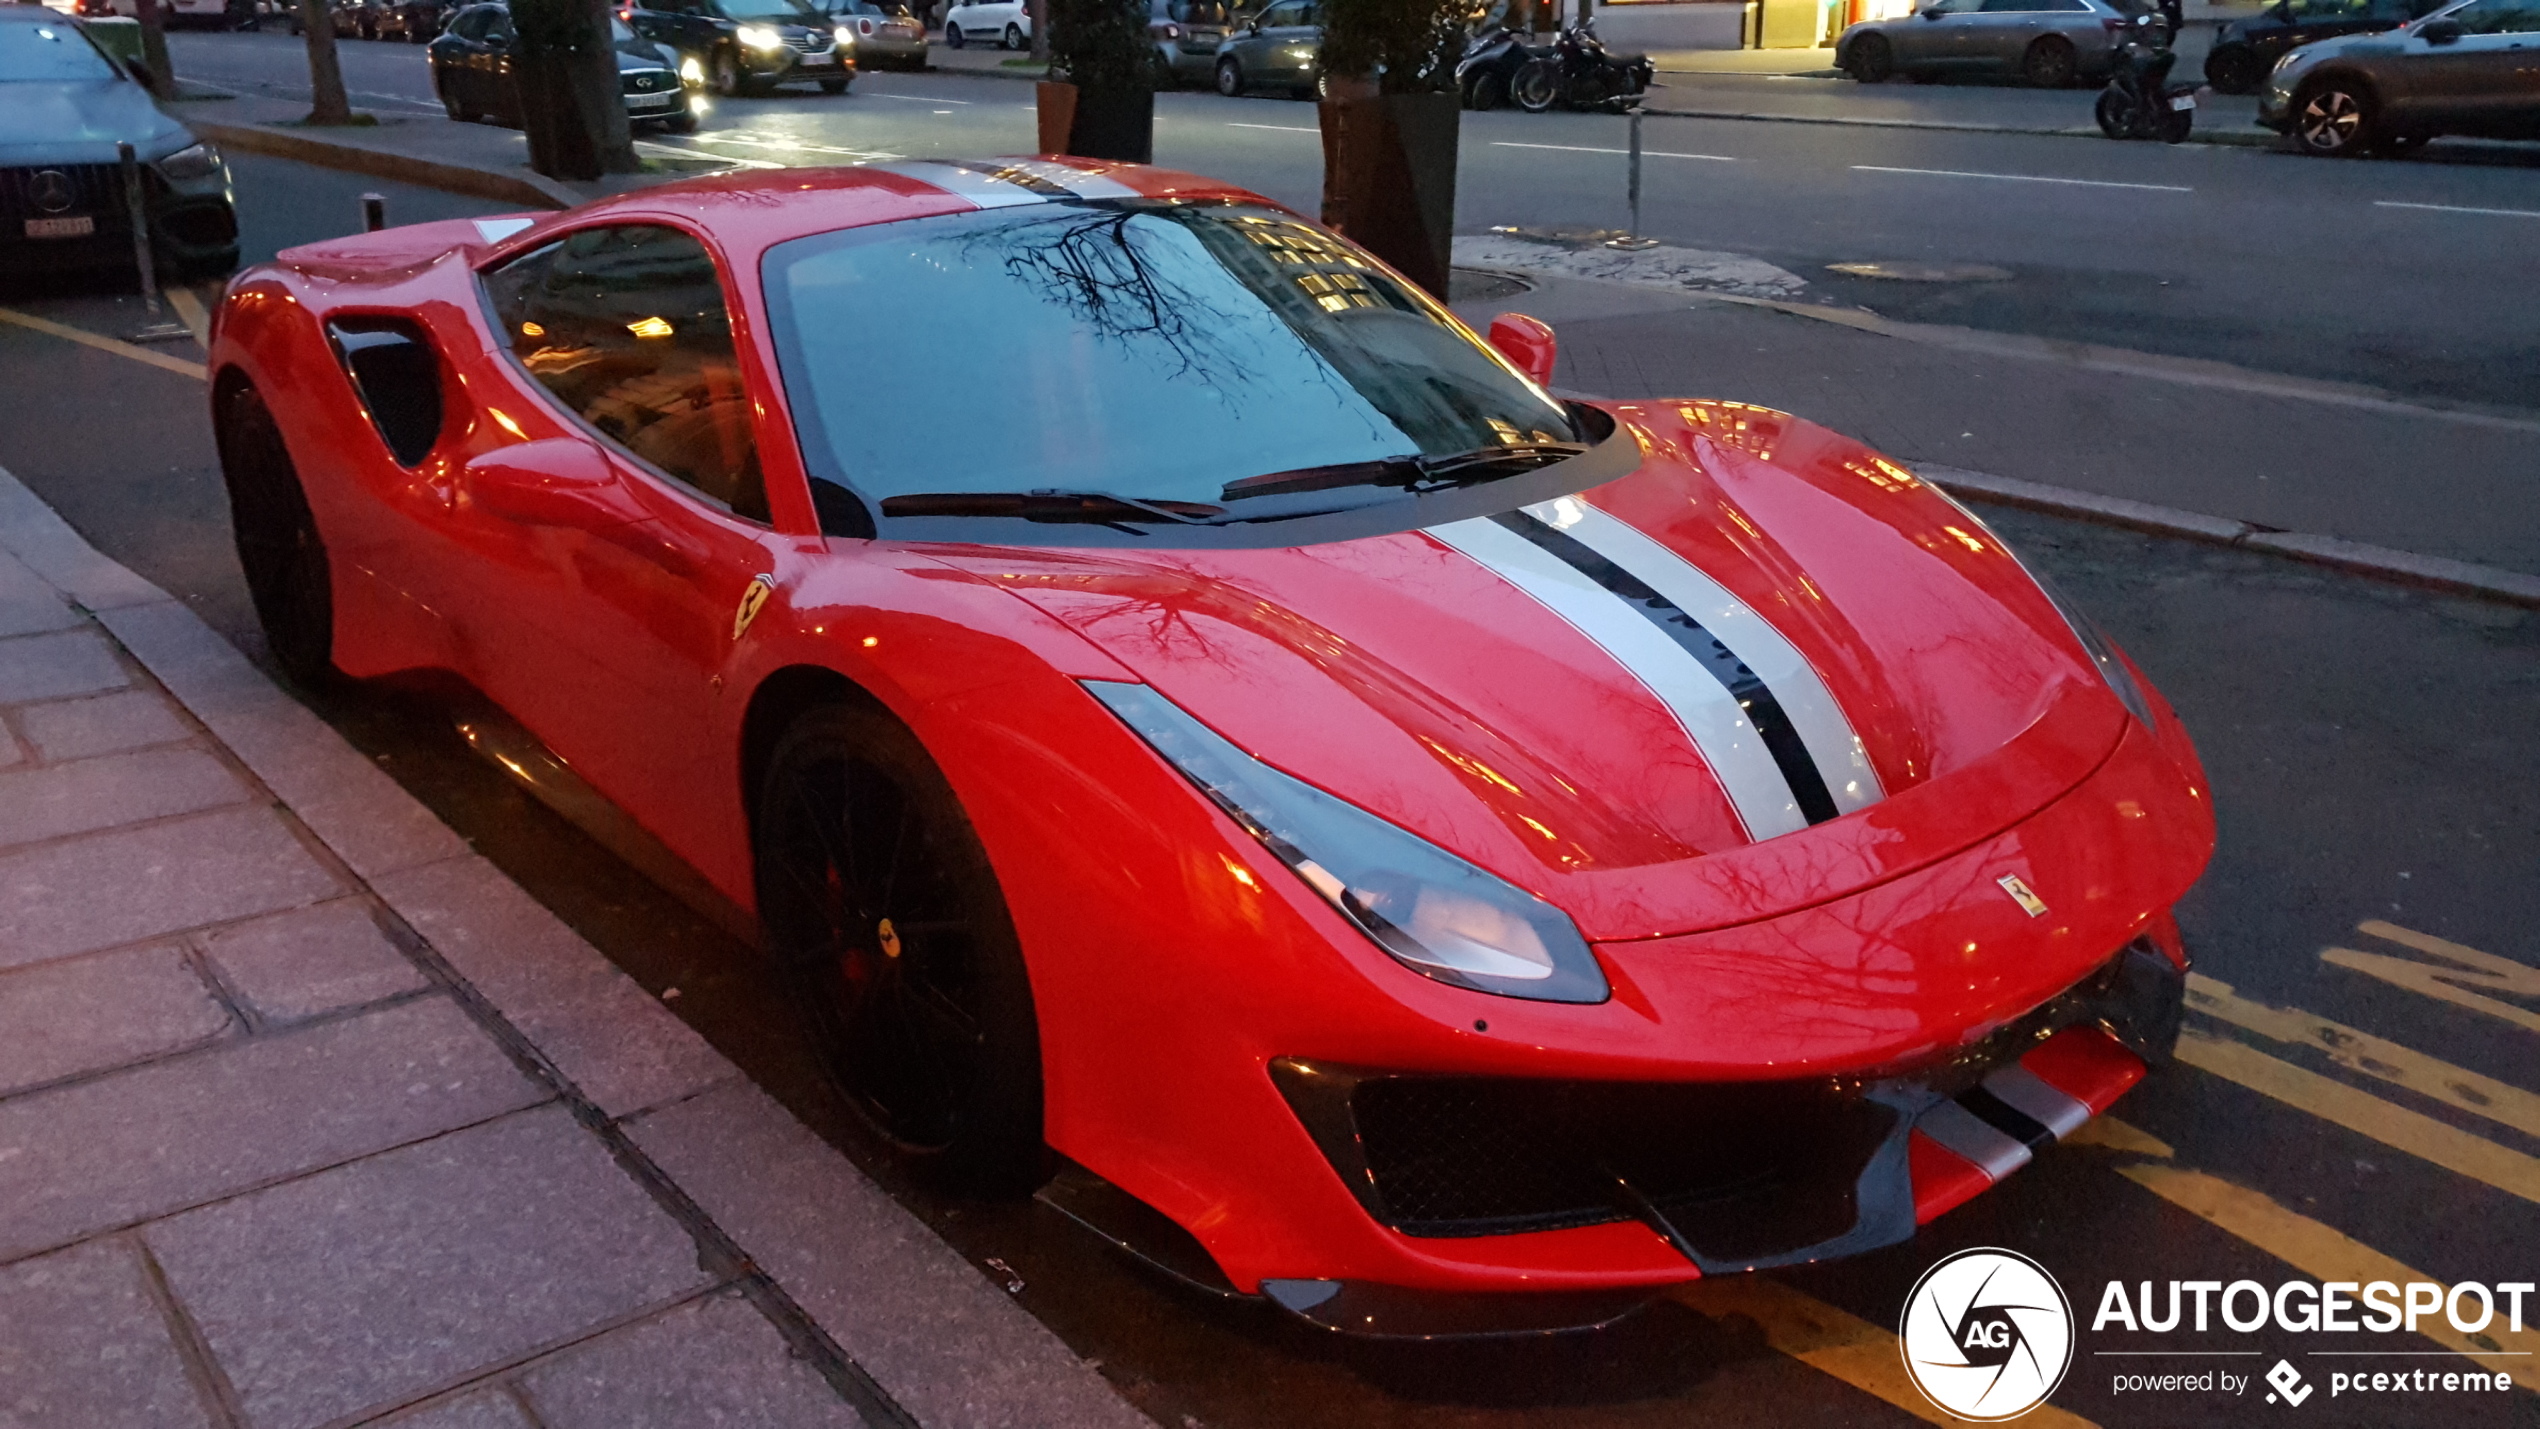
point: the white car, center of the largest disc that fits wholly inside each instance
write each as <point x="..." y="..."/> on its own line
<point x="1004" y="23"/>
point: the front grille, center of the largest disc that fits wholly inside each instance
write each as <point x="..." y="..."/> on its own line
<point x="811" y="42"/>
<point x="1742" y="1172"/>
<point x="94" y="189"/>
<point x="650" y="81"/>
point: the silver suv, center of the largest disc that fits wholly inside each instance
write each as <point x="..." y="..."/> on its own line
<point x="2473" y="68"/>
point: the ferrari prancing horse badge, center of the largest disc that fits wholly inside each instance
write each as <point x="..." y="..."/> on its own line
<point x="753" y="598"/>
<point x="2023" y="895"/>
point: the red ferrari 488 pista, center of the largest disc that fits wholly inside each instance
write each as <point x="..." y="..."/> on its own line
<point x="1431" y="853"/>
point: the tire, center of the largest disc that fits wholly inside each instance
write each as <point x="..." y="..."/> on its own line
<point x="2333" y="119"/>
<point x="450" y="104"/>
<point x="954" y="37"/>
<point x="886" y="933"/>
<point x="1489" y="90"/>
<point x="1537" y="87"/>
<point x="1230" y="78"/>
<point x="836" y="84"/>
<point x="279" y="549"/>
<point x="725" y="75"/>
<point x="2235" y="69"/>
<point x="2114" y="113"/>
<point x="1014" y="37"/>
<point x="1871" y="59"/>
<point x="2050" y="63"/>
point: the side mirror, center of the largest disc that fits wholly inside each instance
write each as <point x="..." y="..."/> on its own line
<point x="1927" y="14"/>
<point x="1527" y="342"/>
<point x="558" y="481"/>
<point x="2440" y="32"/>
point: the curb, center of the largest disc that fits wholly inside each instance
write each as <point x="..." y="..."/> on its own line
<point x="529" y="189"/>
<point x="2229" y="138"/>
<point x="2379" y="562"/>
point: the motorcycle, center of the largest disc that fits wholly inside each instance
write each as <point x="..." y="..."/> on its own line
<point x="1486" y="75"/>
<point x="2139" y="102"/>
<point x="1580" y="73"/>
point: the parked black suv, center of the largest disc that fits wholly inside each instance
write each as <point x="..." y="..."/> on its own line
<point x="472" y="72"/>
<point x="744" y="46"/>
<point x="2247" y="49"/>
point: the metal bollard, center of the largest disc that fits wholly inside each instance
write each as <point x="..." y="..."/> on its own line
<point x="374" y="213"/>
<point x="139" y="210"/>
<point x="1631" y="241"/>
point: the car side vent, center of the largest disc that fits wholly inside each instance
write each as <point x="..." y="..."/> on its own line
<point x="398" y="377"/>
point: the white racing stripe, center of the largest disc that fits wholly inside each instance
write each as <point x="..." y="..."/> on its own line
<point x="1708" y="713"/>
<point x="1006" y="183"/>
<point x="1840" y="758"/>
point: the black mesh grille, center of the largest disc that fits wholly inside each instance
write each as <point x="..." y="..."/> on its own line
<point x="1741" y="1169"/>
<point x="92" y="189"/>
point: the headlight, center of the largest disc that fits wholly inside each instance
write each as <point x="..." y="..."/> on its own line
<point x="690" y="72"/>
<point x="844" y="36"/>
<point x="201" y="161"/>
<point x="760" y="37"/>
<point x="1432" y="911"/>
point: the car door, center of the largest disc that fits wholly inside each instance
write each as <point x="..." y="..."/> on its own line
<point x="2463" y="82"/>
<point x="612" y="638"/>
<point x="2504" y="67"/>
<point x="1930" y="38"/>
<point x="1282" y="29"/>
<point x="1998" y="35"/>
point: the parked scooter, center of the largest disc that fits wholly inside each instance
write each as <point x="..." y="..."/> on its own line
<point x="1487" y="74"/>
<point x="1580" y="73"/>
<point x="2139" y="102"/>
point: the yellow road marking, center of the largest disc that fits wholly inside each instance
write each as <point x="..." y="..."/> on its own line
<point x="1832" y="1342"/>
<point x="84" y="338"/>
<point x="2108" y="1133"/>
<point x="2359" y="1111"/>
<point x="2479" y="969"/>
<point x="2325" y="1254"/>
<point x="2370" y="1055"/>
<point x="189" y="308"/>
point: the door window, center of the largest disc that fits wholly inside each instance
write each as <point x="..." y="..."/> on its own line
<point x="2011" y="7"/>
<point x="470" y="26"/>
<point x="1279" y="16"/>
<point x="626" y="326"/>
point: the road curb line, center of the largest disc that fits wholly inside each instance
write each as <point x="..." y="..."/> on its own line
<point x="2230" y="138"/>
<point x="529" y="189"/>
<point x="2379" y="562"/>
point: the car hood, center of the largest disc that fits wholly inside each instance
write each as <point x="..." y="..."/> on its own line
<point x="81" y="122"/>
<point x="2385" y="42"/>
<point x="1427" y="684"/>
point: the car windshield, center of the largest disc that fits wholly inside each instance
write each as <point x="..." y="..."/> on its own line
<point x="1145" y="350"/>
<point x="776" y="12"/>
<point x="49" y="52"/>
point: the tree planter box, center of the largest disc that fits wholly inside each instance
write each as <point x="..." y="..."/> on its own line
<point x="1389" y="178"/>
<point x="1097" y="123"/>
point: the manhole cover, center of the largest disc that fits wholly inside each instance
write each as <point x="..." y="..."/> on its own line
<point x="1924" y="272"/>
<point x="1472" y="285"/>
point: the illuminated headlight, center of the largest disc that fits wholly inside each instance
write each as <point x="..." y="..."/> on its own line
<point x="760" y="37"/>
<point x="1432" y="911"/>
<point x="189" y="165"/>
<point x="844" y="36"/>
<point x="1301" y="54"/>
<point x="691" y="72"/>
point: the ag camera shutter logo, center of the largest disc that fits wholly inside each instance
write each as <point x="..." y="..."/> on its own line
<point x="1987" y="1334"/>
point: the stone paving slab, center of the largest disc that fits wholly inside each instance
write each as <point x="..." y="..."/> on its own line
<point x="27" y="602"/>
<point x="484" y="1409"/>
<point x="901" y="1302"/>
<point x="60" y="1019"/>
<point x="101" y="724"/>
<point x="90" y="794"/>
<point x="166" y="877"/>
<point x="624" y="1050"/>
<point x="119" y="1149"/>
<point x="83" y="1346"/>
<point x="311" y="961"/>
<point x="712" y="1361"/>
<point x="375" y="1283"/>
<point x="48" y="667"/>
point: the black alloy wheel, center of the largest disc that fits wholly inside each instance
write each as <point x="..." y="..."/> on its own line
<point x="2050" y="63"/>
<point x="1537" y="87"/>
<point x="887" y="934"/>
<point x="954" y="37"/>
<point x="1230" y="78"/>
<point x="450" y="102"/>
<point x="1871" y="59"/>
<point x="2235" y="69"/>
<point x="2333" y="119"/>
<point x="279" y="549"/>
<point x="1014" y="38"/>
<point x="2115" y="113"/>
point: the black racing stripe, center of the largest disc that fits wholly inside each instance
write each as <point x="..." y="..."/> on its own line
<point x="2006" y="1118"/>
<point x="1763" y="710"/>
<point x="1020" y="178"/>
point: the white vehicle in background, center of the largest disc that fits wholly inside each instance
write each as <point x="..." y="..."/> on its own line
<point x="218" y="14"/>
<point x="1006" y="24"/>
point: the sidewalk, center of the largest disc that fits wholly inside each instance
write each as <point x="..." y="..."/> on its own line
<point x="310" y="1117"/>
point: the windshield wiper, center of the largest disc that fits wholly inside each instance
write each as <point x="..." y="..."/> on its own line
<point x="1415" y="474"/>
<point x="1053" y="503"/>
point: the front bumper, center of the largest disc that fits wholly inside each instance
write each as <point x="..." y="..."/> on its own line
<point x="192" y="225"/>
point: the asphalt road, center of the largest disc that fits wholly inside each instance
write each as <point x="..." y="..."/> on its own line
<point x="2369" y="753"/>
<point x="2409" y="276"/>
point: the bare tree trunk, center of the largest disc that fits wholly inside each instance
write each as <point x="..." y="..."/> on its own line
<point x="1039" y="10"/>
<point x="154" y="48"/>
<point x="571" y="107"/>
<point x="327" y="104"/>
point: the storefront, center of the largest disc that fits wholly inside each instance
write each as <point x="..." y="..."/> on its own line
<point x="1728" y="24"/>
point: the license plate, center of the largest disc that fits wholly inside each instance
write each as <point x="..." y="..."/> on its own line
<point x="818" y="61"/>
<point x="2184" y="101"/>
<point x="650" y="101"/>
<point x="79" y="227"/>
